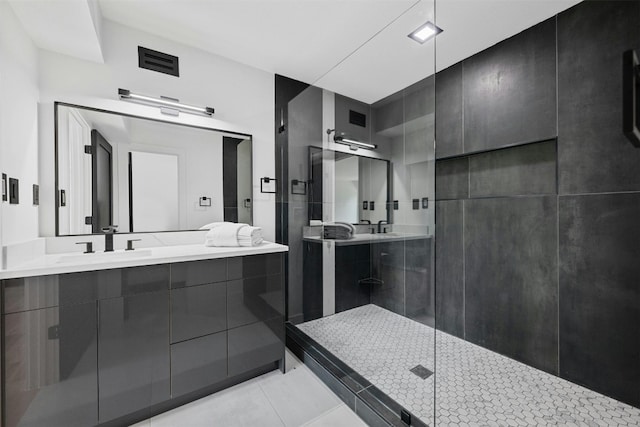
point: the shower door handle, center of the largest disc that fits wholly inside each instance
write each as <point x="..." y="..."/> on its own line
<point x="631" y="96"/>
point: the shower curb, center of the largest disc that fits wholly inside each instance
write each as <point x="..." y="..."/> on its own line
<point x="371" y="404"/>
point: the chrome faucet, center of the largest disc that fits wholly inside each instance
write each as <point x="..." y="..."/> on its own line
<point x="382" y="221"/>
<point x="108" y="237"/>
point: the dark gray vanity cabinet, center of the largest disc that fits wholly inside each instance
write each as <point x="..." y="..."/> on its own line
<point x="198" y="325"/>
<point x="255" y="312"/>
<point x="49" y="353"/>
<point x="82" y="349"/>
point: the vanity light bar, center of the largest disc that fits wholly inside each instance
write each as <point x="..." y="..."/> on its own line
<point x="353" y="144"/>
<point x="126" y="95"/>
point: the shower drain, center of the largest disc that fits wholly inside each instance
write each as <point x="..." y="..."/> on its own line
<point x="421" y="371"/>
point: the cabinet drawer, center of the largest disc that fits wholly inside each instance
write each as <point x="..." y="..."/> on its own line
<point x="254" y="265"/>
<point x="198" y="363"/>
<point x="198" y="272"/>
<point x="254" y="299"/>
<point x="198" y="310"/>
<point x="255" y="345"/>
<point x="31" y="293"/>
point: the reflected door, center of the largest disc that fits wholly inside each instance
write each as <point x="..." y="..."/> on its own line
<point x="153" y="192"/>
<point x="102" y="182"/>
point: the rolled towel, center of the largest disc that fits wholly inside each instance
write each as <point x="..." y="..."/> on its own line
<point x="250" y="236"/>
<point x="224" y="235"/>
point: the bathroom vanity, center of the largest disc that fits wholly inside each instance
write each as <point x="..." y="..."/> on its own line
<point x="98" y="340"/>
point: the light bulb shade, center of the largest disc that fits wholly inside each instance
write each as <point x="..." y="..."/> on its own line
<point x="127" y="95"/>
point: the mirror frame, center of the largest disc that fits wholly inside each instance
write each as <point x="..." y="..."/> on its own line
<point x="389" y="202"/>
<point x="57" y="104"/>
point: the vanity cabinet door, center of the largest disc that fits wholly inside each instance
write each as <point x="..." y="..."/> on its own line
<point x="255" y="312"/>
<point x="133" y="353"/>
<point x="50" y="359"/>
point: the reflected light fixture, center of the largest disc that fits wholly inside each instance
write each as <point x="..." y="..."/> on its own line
<point x="424" y="32"/>
<point x="168" y="106"/>
<point x="352" y="143"/>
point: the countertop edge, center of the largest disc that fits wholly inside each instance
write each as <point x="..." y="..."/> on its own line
<point x="47" y="265"/>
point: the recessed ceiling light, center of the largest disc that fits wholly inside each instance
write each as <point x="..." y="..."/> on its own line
<point x="424" y="32"/>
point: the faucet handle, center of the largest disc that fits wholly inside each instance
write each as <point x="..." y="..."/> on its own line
<point x="110" y="229"/>
<point x="130" y="244"/>
<point x="89" y="248"/>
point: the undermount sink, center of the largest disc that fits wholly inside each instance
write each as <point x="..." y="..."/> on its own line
<point x="104" y="256"/>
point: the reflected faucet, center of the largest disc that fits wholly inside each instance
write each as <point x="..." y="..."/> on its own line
<point x="108" y="237"/>
<point x="382" y="221"/>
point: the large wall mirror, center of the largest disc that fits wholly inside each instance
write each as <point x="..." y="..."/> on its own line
<point x="362" y="190"/>
<point x="146" y="175"/>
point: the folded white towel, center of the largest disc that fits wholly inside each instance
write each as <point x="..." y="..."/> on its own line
<point x="250" y="236"/>
<point x="224" y="235"/>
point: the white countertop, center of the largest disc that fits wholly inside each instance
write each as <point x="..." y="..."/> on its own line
<point x="77" y="261"/>
<point x="367" y="238"/>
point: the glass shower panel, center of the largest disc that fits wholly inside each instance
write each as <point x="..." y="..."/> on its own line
<point x="355" y="203"/>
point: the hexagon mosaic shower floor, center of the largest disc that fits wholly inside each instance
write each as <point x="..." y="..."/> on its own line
<point x="475" y="386"/>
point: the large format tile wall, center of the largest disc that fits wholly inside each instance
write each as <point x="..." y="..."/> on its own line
<point x="537" y="245"/>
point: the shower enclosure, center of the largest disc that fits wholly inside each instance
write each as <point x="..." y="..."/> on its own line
<point x="361" y="151"/>
<point x="519" y="304"/>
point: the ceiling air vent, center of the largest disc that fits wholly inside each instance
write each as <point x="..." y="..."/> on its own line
<point x="158" y="61"/>
<point x="357" y="119"/>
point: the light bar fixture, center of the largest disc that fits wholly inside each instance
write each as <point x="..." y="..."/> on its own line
<point x="424" y="32"/>
<point x="167" y="105"/>
<point x="353" y="144"/>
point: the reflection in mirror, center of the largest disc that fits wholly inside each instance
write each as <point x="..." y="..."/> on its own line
<point x="146" y="175"/>
<point x="361" y="187"/>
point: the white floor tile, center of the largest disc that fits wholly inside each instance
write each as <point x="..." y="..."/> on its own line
<point x="242" y="405"/>
<point x="298" y="396"/>
<point x="341" y="416"/>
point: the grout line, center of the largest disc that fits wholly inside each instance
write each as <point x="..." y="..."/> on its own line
<point x="266" y="395"/>
<point x="557" y="204"/>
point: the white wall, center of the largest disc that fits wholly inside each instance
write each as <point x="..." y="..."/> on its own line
<point x="242" y="96"/>
<point x="18" y="126"/>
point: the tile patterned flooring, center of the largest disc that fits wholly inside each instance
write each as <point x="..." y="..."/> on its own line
<point x="475" y="386"/>
<point x="297" y="398"/>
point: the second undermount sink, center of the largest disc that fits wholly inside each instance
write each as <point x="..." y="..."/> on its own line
<point x="104" y="256"/>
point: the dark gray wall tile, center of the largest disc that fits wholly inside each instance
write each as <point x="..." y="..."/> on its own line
<point x="449" y="111"/>
<point x="343" y="105"/>
<point x="525" y="170"/>
<point x="594" y="155"/>
<point x="452" y="179"/>
<point x="510" y="91"/>
<point x="419" y="100"/>
<point x="511" y="278"/>
<point x="600" y="293"/>
<point x="450" y="267"/>
<point x="198" y="363"/>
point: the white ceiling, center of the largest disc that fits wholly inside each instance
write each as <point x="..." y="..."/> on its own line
<point x="357" y="48"/>
<point x="70" y="27"/>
